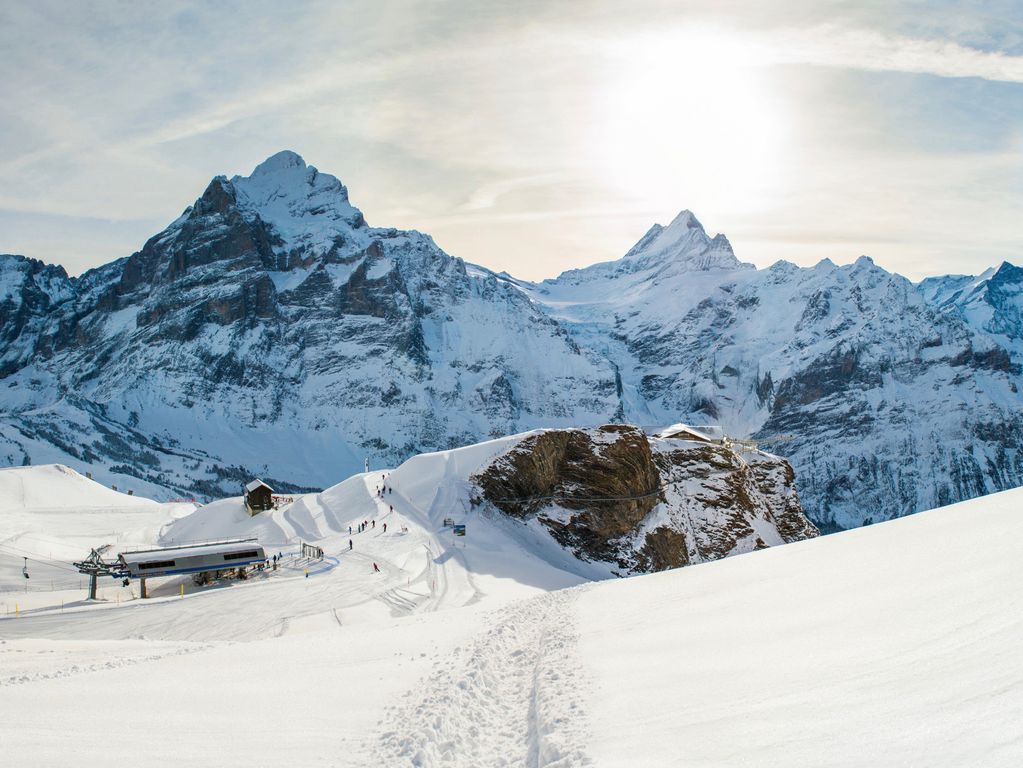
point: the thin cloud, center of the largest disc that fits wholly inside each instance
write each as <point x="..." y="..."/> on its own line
<point x="875" y="51"/>
<point x="487" y="195"/>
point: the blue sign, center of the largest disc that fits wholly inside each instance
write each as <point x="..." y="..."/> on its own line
<point x="459" y="530"/>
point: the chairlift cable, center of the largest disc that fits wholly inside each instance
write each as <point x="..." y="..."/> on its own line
<point x="41" y="561"/>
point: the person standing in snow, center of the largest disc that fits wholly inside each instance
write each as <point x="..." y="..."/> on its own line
<point x="376" y="568"/>
<point x="385" y="527"/>
<point x="349" y="545"/>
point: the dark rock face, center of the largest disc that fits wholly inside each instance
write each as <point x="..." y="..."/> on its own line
<point x="613" y="495"/>
<point x="610" y="482"/>
<point x="35" y="293"/>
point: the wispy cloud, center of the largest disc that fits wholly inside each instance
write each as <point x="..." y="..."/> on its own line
<point x="871" y="50"/>
<point x="487" y="195"/>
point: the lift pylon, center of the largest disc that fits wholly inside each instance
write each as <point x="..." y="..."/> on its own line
<point x="95" y="566"/>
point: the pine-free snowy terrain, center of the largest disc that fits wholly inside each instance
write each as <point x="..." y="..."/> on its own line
<point x="52" y="515"/>
<point x="895" y="644"/>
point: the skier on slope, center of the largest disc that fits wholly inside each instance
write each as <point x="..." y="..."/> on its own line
<point x="376" y="568"/>
<point x="349" y="544"/>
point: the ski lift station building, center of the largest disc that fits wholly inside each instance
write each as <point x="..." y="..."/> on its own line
<point x="192" y="559"/>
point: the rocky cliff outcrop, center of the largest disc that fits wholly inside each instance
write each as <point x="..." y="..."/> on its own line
<point x="614" y="495"/>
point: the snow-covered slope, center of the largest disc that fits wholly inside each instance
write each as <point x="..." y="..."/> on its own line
<point x="895" y="644"/>
<point x="271" y="331"/>
<point x="991" y="302"/>
<point x="900" y="649"/>
<point x="706" y="505"/>
<point x="50" y="515"/>
<point x="706" y="502"/>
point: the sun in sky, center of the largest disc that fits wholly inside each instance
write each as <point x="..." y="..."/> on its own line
<point x="689" y="116"/>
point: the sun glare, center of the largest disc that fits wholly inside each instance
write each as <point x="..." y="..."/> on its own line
<point x="688" y="120"/>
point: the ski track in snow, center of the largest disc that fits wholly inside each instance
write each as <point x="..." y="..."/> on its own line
<point x="512" y="697"/>
<point x="115" y="663"/>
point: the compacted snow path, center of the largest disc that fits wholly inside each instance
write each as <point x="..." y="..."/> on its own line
<point x="511" y="697"/>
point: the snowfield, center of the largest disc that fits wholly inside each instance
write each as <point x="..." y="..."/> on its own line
<point x="896" y="644"/>
<point x="53" y="515"/>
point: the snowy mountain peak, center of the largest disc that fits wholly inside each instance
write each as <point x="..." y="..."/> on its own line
<point x="1007" y="272"/>
<point x="686" y="219"/>
<point x="684" y="243"/>
<point x="278" y="163"/>
<point x="301" y="203"/>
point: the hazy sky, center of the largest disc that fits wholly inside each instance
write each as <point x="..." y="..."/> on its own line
<point x="530" y="137"/>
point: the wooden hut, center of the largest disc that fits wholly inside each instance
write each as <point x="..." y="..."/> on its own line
<point x="258" y="497"/>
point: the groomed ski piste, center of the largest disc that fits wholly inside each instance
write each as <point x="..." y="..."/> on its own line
<point x="896" y="644"/>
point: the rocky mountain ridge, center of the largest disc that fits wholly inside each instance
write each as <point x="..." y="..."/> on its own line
<point x="271" y="330"/>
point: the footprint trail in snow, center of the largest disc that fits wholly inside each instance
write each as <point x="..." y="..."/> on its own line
<point x="511" y="697"/>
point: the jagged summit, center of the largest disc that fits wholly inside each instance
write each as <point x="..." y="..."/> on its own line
<point x="280" y="162"/>
<point x="685" y="243"/>
<point x="1008" y="272"/>
<point x="680" y="247"/>
<point x="686" y="219"/>
<point x="298" y="199"/>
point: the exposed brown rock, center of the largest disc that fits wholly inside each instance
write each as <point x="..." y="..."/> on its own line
<point x="664" y="549"/>
<point x="614" y="495"/>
